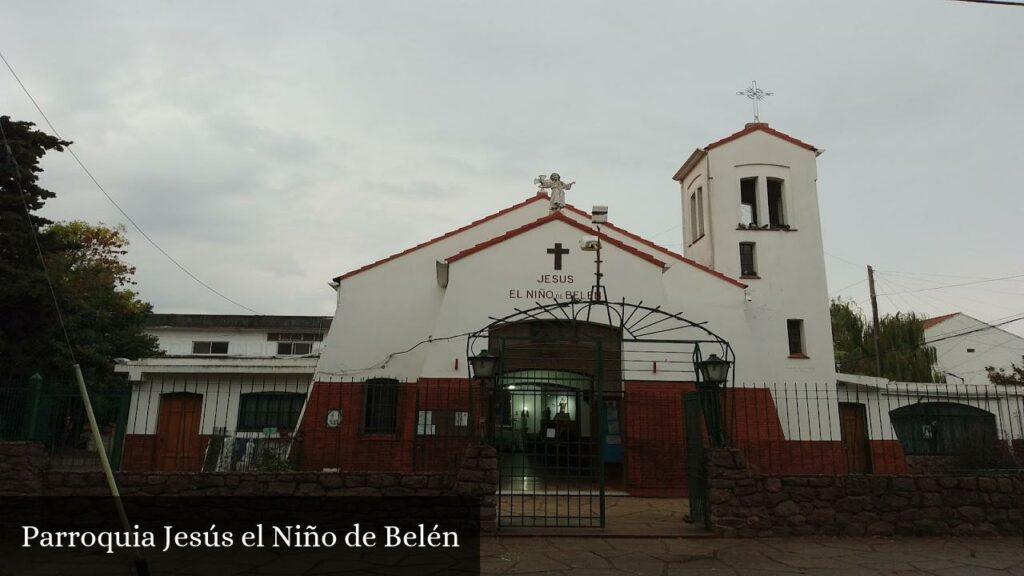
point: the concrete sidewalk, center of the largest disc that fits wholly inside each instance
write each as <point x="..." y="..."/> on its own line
<point x="772" y="556"/>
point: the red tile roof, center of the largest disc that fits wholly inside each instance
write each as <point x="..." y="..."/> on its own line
<point x="543" y="196"/>
<point x="929" y="322"/>
<point x="538" y="196"/>
<point x="763" y="127"/>
<point x="551" y="218"/>
<point x="698" y="154"/>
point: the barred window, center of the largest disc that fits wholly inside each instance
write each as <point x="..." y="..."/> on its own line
<point x="261" y="410"/>
<point x="380" y="406"/>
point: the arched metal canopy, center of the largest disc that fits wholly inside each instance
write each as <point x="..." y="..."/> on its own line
<point x="637" y="323"/>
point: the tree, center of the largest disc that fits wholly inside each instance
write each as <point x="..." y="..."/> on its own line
<point x="905" y="356"/>
<point x="91" y="282"/>
<point x="999" y="376"/>
<point x="23" y="290"/>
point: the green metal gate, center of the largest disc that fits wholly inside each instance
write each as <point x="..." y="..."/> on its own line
<point x="53" y="414"/>
<point x="696" y="470"/>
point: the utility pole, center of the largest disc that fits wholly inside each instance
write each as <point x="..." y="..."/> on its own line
<point x="874" y="320"/>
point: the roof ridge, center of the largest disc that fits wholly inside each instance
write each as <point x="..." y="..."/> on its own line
<point x="544" y="220"/>
<point x="473" y="224"/>
<point x="651" y="244"/>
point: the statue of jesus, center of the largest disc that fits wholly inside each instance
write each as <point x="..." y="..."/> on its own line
<point x="554" y="186"/>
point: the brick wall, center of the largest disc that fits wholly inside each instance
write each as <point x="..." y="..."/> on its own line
<point x="747" y="504"/>
<point x="348" y="448"/>
<point x="654" y="438"/>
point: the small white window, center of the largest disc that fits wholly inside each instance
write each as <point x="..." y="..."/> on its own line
<point x="425" y="423"/>
<point x="462" y="418"/>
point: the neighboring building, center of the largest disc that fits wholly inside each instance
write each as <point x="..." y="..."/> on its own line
<point x="965" y="346"/>
<point x="222" y="378"/>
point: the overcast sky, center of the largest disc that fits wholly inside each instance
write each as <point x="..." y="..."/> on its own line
<point x="270" y="148"/>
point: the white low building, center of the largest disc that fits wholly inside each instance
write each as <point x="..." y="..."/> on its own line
<point x="965" y="346"/>
<point x="227" y="388"/>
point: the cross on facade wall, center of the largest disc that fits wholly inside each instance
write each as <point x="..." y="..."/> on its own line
<point x="558" y="252"/>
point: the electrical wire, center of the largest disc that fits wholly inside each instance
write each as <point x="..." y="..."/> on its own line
<point x="88" y="173"/>
<point x="956" y="285"/>
<point x="384" y="362"/>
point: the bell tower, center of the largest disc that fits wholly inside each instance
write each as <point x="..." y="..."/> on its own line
<point x="750" y="211"/>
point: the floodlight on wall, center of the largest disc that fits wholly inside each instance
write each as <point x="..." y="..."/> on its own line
<point x="589" y="243"/>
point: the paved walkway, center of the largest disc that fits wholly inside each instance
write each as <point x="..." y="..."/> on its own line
<point x="772" y="556"/>
<point x="625" y="516"/>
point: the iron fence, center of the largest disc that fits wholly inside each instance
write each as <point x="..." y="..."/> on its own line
<point x="54" y="415"/>
<point x="864" y="428"/>
<point x="233" y="423"/>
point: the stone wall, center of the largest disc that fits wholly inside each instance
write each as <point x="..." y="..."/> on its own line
<point x="21" y="468"/>
<point x="24" y="472"/>
<point x="745" y="504"/>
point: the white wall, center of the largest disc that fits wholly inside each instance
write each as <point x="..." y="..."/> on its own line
<point x="992" y="347"/>
<point x="221" y="396"/>
<point x="178" y="341"/>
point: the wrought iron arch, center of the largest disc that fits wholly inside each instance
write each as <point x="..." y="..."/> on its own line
<point x="637" y="323"/>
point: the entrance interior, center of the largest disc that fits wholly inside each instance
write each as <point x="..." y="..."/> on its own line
<point x="551" y="423"/>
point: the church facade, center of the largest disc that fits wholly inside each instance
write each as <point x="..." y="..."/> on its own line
<point x="603" y="361"/>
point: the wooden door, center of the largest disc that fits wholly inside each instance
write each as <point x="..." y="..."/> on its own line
<point x="178" y="444"/>
<point x="854" y="429"/>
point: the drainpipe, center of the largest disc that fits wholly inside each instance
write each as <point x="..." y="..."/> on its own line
<point x="711" y="226"/>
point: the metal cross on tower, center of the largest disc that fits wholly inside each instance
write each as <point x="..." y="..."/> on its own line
<point x="755" y="95"/>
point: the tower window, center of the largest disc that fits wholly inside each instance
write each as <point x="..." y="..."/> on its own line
<point x="748" y="201"/>
<point x="700" y="212"/>
<point x="776" y="212"/>
<point x="748" y="261"/>
<point x="697" y="215"/>
<point x="796" y="338"/>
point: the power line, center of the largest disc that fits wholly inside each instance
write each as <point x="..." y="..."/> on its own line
<point x="998" y="2"/>
<point x="861" y="281"/>
<point x="957" y="285"/>
<point x="114" y="202"/>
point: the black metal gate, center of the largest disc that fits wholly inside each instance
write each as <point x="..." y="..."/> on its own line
<point x="547" y="417"/>
<point x="696" y="470"/>
<point x="556" y="407"/>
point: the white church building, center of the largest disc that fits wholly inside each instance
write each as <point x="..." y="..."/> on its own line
<point x="521" y="283"/>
